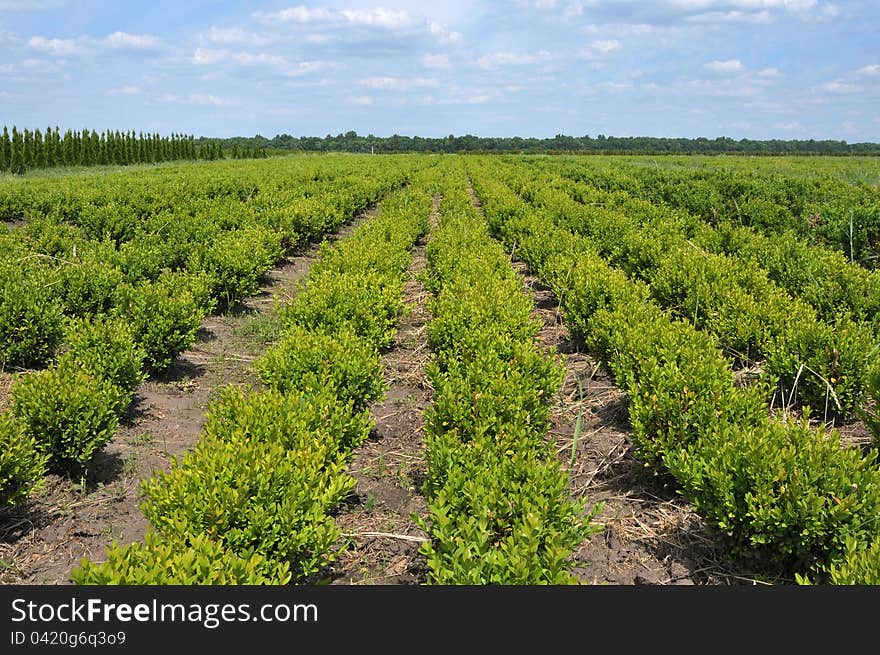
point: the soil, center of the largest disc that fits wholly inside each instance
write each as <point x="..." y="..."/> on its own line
<point x="42" y="540"/>
<point x="381" y="536"/>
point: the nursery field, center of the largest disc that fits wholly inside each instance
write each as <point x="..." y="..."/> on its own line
<point x="415" y="369"/>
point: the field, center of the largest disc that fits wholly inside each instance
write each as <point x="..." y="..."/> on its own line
<point x="456" y="369"/>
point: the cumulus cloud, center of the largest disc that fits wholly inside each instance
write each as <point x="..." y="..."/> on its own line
<point x="838" y="86"/>
<point x="726" y="67"/>
<point x="206" y="56"/>
<point x="63" y="47"/>
<point x="125" y="91"/>
<point x="132" y="41"/>
<point x="195" y="99"/>
<point x="397" y="83"/>
<point x="498" y="59"/>
<point x="384" y="20"/>
<point x="298" y="14"/>
<point x="606" y="46"/>
<point x="669" y="12"/>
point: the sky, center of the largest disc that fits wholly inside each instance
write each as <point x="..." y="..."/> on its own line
<point x="759" y="69"/>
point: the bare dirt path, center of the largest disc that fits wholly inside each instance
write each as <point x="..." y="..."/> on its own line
<point x="650" y="535"/>
<point x="382" y="538"/>
<point x="42" y="541"/>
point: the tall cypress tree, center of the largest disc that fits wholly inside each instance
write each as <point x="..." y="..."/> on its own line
<point x="5" y="150"/>
<point x="49" y="146"/>
<point x="16" y="162"/>
<point x="28" y="148"/>
<point x="39" y="150"/>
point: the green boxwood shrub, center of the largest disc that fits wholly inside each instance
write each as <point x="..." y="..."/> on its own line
<point x="71" y="414"/>
<point x="22" y="463"/>
<point x="197" y="561"/>
<point x="308" y="361"/>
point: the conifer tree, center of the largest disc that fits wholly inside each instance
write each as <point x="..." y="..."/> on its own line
<point x="39" y="150"/>
<point x="28" y="151"/>
<point x="17" y="162"/>
<point x="5" y="150"/>
<point x="49" y="147"/>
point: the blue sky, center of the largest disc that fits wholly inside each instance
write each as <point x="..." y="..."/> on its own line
<point x="681" y="68"/>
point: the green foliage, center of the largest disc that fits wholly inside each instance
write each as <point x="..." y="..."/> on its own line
<point x="88" y="286"/>
<point x="826" y="366"/>
<point x="70" y="413"/>
<point x="254" y="497"/>
<point x="500" y="518"/>
<point x="367" y="304"/>
<point x="197" y="561"/>
<point x="490" y="396"/>
<point x="292" y="418"/>
<point x="858" y="565"/>
<point x="106" y="349"/>
<point x="30" y="318"/>
<point x="783" y="494"/>
<point x="309" y="362"/>
<point x="870" y="412"/>
<point x="236" y="262"/>
<point x="164" y="315"/>
<point x="22" y="464"/>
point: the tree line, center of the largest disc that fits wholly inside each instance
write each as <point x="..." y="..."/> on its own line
<point x="352" y="142"/>
<point x="22" y="150"/>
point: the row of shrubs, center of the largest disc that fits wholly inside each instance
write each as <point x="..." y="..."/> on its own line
<point x="53" y="267"/>
<point x="787" y="500"/>
<point x="500" y="510"/>
<point x="821" y="276"/>
<point x="824" y="366"/>
<point x="820" y="210"/>
<point x="68" y="303"/>
<point x="253" y="502"/>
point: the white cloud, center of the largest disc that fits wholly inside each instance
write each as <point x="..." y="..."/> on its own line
<point x="195" y="99"/>
<point x="496" y="59"/>
<point x="392" y="19"/>
<point x="840" y="87"/>
<point x="479" y="99"/>
<point x="397" y="83"/>
<point x="386" y="83"/>
<point x="614" y="87"/>
<point x="727" y="67"/>
<point x="606" y="46"/>
<point x="873" y="69"/>
<point x="770" y="73"/>
<point x="207" y="56"/>
<point x="363" y="101"/>
<point x="301" y="68"/>
<point x="62" y="47"/>
<point x="132" y="41"/>
<point x="207" y="99"/>
<point x="125" y="91"/>
<point x="377" y="18"/>
<point x="298" y="14"/>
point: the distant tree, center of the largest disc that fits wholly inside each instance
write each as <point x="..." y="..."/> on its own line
<point x="5" y="150"/>
<point x="40" y="160"/>
<point x="17" y="160"/>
